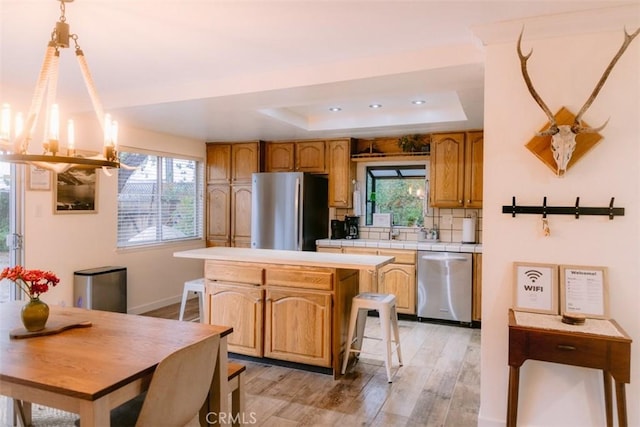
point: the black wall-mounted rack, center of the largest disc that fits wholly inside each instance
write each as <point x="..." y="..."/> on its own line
<point x="576" y="210"/>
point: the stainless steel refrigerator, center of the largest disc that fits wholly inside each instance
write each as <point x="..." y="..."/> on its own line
<point x="289" y="210"/>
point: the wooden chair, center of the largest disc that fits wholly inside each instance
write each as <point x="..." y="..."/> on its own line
<point x="178" y="388"/>
<point x="235" y="379"/>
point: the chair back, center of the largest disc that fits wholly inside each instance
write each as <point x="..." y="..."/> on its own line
<point x="180" y="385"/>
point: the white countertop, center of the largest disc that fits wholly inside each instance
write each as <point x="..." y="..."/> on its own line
<point x="271" y="256"/>
<point x="402" y="244"/>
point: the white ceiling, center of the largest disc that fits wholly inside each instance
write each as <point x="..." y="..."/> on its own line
<point x="241" y="70"/>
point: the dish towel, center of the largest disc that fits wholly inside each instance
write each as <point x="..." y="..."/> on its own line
<point x="357" y="207"/>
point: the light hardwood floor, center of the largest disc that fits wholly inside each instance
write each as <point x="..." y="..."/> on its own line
<point x="439" y="384"/>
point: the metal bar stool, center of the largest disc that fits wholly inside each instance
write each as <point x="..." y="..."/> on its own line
<point x="385" y="305"/>
<point x="197" y="286"/>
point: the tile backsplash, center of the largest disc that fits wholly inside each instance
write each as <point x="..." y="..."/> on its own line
<point x="448" y="222"/>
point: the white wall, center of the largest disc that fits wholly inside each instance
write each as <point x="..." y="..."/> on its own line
<point x="71" y="242"/>
<point x="564" y="71"/>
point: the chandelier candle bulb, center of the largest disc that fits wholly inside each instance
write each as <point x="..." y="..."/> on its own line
<point x="5" y="123"/>
<point x="71" y="139"/>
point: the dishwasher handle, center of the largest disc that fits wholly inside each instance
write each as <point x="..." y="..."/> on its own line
<point x="443" y="257"/>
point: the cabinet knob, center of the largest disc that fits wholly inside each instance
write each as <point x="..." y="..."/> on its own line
<point x="468" y="200"/>
<point x="460" y="201"/>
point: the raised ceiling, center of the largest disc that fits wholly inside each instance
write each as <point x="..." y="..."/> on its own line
<point x="241" y="70"/>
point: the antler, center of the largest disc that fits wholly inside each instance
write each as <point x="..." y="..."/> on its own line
<point x="576" y="127"/>
<point x="553" y="129"/>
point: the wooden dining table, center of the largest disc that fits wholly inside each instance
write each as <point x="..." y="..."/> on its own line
<point x="91" y="370"/>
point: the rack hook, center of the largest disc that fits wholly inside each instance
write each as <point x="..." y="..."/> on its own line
<point x="611" y="208"/>
<point x="513" y="207"/>
<point x="544" y="207"/>
<point x="577" y="207"/>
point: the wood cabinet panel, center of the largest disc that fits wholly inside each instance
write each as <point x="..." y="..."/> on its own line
<point x="400" y="280"/>
<point x="245" y="160"/>
<point x="341" y="173"/>
<point x="331" y="249"/>
<point x="280" y="157"/>
<point x="401" y="256"/>
<point x="476" y="308"/>
<point x="218" y="163"/>
<point x="242" y="307"/>
<point x="447" y="170"/>
<point x="456" y="170"/>
<point x="250" y="274"/>
<point x="474" y="169"/>
<point x="310" y="157"/>
<point x="300" y="277"/>
<point x="218" y="211"/>
<point x="240" y="214"/>
<point x="310" y="340"/>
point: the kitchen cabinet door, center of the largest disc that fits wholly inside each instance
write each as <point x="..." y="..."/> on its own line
<point x="241" y="216"/>
<point x="456" y="170"/>
<point x="367" y="280"/>
<point x="245" y="160"/>
<point x="341" y="173"/>
<point x="218" y="163"/>
<point x="310" y="157"/>
<point x="400" y="280"/>
<point x="240" y="307"/>
<point x="476" y="308"/>
<point x="473" y="159"/>
<point x="298" y="326"/>
<point x="218" y="210"/>
<point x="280" y="157"/>
<point x="447" y="170"/>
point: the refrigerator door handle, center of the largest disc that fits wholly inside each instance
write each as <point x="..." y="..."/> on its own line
<point x="298" y="209"/>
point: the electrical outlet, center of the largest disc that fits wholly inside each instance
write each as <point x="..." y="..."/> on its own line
<point x="447" y="221"/>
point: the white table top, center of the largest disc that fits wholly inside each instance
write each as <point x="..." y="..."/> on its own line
<point x="305" y="258"/>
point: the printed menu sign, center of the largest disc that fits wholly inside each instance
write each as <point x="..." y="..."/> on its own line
<point x="584" y="291"/>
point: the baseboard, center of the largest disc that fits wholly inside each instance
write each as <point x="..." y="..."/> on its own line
<point x="154" y="305"/>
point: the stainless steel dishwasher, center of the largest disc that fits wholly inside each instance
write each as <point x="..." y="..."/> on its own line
<point x="444" y="285"/>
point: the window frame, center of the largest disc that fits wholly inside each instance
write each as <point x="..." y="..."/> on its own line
<point x="198" y="209"/>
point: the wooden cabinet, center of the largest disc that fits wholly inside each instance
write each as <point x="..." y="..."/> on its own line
<point x="476" y="308"/>
<point x="399" y="278"/>
<point x="311" y="157"/>
<point x="293" y="313"/>
<point x="280" y="157"/>
<point x="228" y="205"/>
<point x="456" y="170"/>
<point x="242" y="307"/>
<point x="296" y="156"/>
<point x="309" y="341"/>
<point x="241" y="216"/>
<point x="218" y="211"/>
<point x="342" y="171"/>
<point x="331" y="249"/>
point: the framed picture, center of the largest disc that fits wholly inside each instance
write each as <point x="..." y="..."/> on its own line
<point x="536" y="287"/>
<point x="584" y="290"/>
<point x="38" y="178"/>
<point x="76" y="191"/>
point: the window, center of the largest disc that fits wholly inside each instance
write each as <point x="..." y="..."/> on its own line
<point x="399" y="190"/>
<point x="159" y="201"/>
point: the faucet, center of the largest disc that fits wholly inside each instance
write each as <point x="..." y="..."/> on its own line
<point x="393" y="233"/>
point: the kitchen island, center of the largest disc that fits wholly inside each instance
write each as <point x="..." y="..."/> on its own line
<point x="283" y="305"/>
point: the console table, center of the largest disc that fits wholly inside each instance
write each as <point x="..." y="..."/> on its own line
<point x="598" y="344"/>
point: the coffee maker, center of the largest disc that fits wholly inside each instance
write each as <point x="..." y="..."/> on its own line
<point x="352" y="227"/>
<point x="337" y="229"/>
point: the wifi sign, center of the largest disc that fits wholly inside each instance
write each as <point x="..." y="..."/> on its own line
<point x="533" y="275"/>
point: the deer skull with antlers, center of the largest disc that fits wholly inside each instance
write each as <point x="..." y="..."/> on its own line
<point x="563" y="137"/>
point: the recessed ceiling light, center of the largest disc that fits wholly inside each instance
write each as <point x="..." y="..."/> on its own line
<point x="375" y="105"/>
<point x="418" y="101"/>
<point x="335" y="109"/>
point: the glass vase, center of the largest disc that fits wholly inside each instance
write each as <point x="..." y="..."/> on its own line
<point x="34" y="315"/>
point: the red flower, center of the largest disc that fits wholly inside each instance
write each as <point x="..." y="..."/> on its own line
<point x="32" y="282"/>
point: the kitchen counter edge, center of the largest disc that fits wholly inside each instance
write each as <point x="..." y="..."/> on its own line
<point x="402" y="244"/>
<point x="302" y="258"/>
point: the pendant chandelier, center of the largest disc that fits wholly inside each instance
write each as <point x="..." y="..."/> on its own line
<point x="15" y="140"/>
